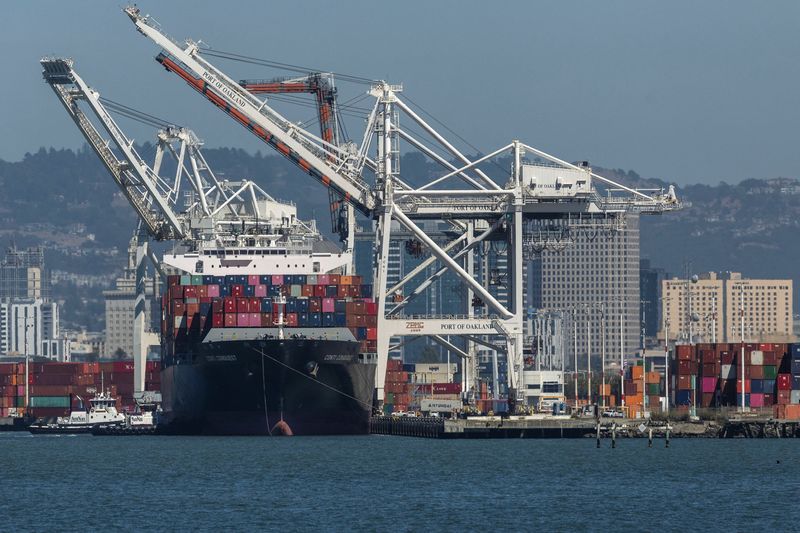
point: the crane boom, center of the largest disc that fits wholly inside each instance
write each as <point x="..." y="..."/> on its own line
<point x="133" y="176"/>
<point x="343" y="175"/>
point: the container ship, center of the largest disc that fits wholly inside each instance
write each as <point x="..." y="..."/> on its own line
<point x="262" y="335"/>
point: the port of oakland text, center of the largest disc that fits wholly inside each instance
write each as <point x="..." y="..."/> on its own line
<point x="224" y="89"/>
<point x="417" y="326"/>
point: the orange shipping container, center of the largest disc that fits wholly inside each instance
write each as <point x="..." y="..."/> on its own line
<point x="637" y="372"/>
<point x="653" y="377"/>
<point x="793" y="411"/>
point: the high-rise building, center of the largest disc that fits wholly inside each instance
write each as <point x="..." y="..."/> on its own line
<point x="715" y="303"/>
<point x="22" y="274"/>
<point x="31" y="327"/>
<point x="650" y="279"/>
<point x="594" y="281"/>
<point x="120" y="306"/>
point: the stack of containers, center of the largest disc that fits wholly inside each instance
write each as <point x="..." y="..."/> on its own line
<point x="194" y="304"/>
<point x="709" y="368"/>
<point x="395" y="388"/>
<point x="685" y="376"/>
<point x="55" y="389"/>
<point x="633" y="387"/>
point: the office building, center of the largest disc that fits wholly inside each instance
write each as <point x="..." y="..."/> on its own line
<point x="715" y="303"/>
<point x="593" y="279"/>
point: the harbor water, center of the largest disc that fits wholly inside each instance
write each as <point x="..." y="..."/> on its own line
<point x="385" y="483"/>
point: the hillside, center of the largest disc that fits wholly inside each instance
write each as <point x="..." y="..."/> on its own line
<point x="65" y="201"/>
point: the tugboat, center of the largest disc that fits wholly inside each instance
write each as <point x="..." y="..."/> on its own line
<point x="143" y="421"/>
<point x="102" y="413"/>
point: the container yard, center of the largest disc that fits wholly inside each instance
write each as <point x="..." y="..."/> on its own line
<point x="56" y="388"/>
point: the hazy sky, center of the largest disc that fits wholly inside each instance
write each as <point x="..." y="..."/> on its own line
<point x="686" y="91"/>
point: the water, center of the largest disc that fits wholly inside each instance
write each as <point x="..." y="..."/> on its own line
<point x="382" y="483"/>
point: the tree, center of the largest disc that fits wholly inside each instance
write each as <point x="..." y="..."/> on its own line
<point x="120" y="354"/>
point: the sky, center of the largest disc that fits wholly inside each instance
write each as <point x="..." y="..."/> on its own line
<point x="685" y="91"/>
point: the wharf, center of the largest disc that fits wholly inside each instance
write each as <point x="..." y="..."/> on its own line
<point x="544" y="427"/>
<point x="485" y="427"/>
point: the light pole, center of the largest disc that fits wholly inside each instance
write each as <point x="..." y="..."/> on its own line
<point x="575" y="349"/>
<point x="589" y="352"/>
<point x="666" y="363"/>
<point x="741" y="320"/>
<point x="27" y="368"/>
<point x="603" y="352"/>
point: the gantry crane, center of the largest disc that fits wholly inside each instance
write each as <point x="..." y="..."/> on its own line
<point x="187" y="204"/>
<point x="480" y="207"/>
<point x="322" y="86"/>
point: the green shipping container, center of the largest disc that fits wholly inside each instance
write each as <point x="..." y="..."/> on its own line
<point x="49" y="401"/>
<point x="197" y="280"/>
<point x="389" y="397"/>
<point x="653" y="389"/>
<point x="297" y="291"/>
<point x="19" y="401"/>
<point x="770" y="372"/>
<point x="186" y="280"/>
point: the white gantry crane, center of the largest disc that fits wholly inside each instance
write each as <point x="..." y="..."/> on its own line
<point x="180" y="200"/>
<point x="479" y="207"/>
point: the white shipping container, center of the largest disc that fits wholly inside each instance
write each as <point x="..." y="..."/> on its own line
<point x="756" y="358"/>
<point x="435" y="368"/>
<point x="727" y="372"/>
<point x="795" y="396"/>
<point x="440" y="406"/>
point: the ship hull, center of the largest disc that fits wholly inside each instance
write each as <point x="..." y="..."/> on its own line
<point x="268" y="387"/>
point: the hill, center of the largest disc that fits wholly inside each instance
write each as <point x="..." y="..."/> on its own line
<point x="65" y="201"/>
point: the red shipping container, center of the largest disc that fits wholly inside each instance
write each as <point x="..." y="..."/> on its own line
<point x="372" y="334"/>
<point x="709" y="385"/>
<point x="237" y="291"/>
<point x="770" y="359"/>
<point x="190" y="291"/>
<point x="334" y="279"/>
<point x="179" y="308"/>
<point x="769" y="400"/>
<point x="291" y="320"/>
<point x="255" y="320"/>
<point x="371" y="308"/>
<point x="328" y="305"/>
<point x="217" y="306"/>
<point x="739" y="386"/>
<point x="266" y="320"/>
<point x="202" y="291"/>
<point x="323" y="279"/>
<point x="213" y="291"/>
<point x="176" y="292"/>
<point x="685" y="352"/>
<point x="307" y="290"/>
<point x="261" y="291"/>
<point x="218" y="320"/>
<point x="754" y="372"/>
<point x="784" y="397"/>
<point x="370" y="321"/>
<point x="319" y="291"/>
<point x="255" y="305"/>
<point x="229" y="304"/>
<point x="446" y="388"/>
<point x="242" y="305"/>
<point x="230" y="320"/>
<point x="277" y="280"/>
<point x="242" y="320"/>
<point x="784" y="382"/>
<point x="253" y="279"/>
<point x="684" y="383"/>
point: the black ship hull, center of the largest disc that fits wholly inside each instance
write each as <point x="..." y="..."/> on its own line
<point x="268" y="387"/>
